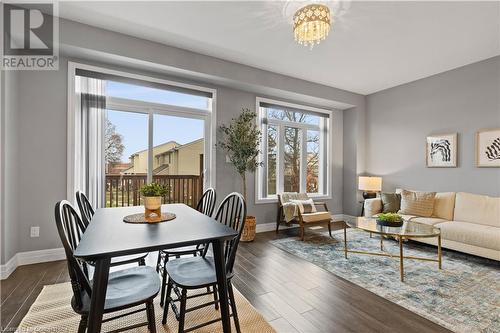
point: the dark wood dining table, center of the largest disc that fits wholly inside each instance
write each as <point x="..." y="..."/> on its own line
<point x="108" y="236"/>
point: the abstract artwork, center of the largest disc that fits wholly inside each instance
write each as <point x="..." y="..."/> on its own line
<point x="488" y="148"/>
<point x="442" y="151"/>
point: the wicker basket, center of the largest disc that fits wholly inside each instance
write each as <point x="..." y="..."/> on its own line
<point x="248" y="233"/>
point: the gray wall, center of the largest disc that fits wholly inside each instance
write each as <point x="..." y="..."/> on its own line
<point x="41" y="167"/>
<point x="9" y="158"/>
<point x="34" y="123"/>
<point x="398" y="120"/>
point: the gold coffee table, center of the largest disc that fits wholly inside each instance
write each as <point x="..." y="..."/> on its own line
<point x="408" y="230"/>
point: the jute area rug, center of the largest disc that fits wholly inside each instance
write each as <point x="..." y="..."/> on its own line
<point x="52" y="312"/>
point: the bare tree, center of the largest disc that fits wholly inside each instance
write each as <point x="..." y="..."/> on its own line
<point x="113" y="147"/>
<point x="292" y="137"/>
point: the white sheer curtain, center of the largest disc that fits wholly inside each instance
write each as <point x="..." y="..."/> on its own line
<point x="89" y="119"/>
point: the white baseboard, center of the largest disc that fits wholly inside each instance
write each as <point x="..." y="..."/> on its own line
<point x="30" y="257"/>
<point x="35" y="257"/>
<point x="8" y="267"/>
<point x="263" y="227"/>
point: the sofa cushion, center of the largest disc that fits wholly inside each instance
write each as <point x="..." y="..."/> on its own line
<point x="315" y="217"/>
<point x="372" y="206"/>
<point x="417" y="203"/>
<point x="391" y="202"/>
<point x="479" y="209"/>
<point x="444" y="205"/>
<point x="428" y="220"/>
<point x="471" y="233"/>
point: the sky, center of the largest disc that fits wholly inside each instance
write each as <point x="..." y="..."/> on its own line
<point x="134" y="126"/>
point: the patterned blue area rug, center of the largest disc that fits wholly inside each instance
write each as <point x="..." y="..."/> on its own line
<point x="464" y="296"/>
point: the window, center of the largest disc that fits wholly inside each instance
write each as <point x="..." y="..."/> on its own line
<point x="295" y="150"/>
<point x="128" y="131"/>
<point x="170" y="152"/>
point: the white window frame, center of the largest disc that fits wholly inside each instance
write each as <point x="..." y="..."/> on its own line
<point x="121" y="104"/>
<point x="151" y="109"/>
<point x="325" y="176"/>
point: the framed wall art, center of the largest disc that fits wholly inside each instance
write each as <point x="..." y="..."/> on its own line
<point x="488" y="148"/>
<point x="441" y="151"/>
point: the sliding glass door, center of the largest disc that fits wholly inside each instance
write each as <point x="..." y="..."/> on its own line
<point x="152" y="142"/>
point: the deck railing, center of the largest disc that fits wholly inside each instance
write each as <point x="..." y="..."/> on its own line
<point x="123" y="190"/>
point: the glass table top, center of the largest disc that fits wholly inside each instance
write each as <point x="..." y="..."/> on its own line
<point x="408" y="229"/>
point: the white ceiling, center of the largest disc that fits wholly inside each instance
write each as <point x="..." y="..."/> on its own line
<point x="373" y="45"/>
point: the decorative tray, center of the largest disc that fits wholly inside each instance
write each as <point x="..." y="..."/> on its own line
<point x="141" y="218"/>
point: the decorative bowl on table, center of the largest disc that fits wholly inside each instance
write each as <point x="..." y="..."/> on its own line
<point x="390" y="220"/>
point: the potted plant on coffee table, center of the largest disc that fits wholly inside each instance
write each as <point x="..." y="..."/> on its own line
<point x="390" y="220"/>
<point x="240" y="140"/>
<point x="152" y="194"/>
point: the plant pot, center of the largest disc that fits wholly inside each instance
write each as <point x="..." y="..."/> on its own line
<point x="390" y="224"/>
<point x="152" y="203"/>
<point x="248" y="233"/>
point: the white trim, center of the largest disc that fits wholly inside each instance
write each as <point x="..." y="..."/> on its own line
<point x="326" y="182"/>
<point x="30" y="257"/>
<point x="8" y="268"/>
<point x="40" y="256"/>
<point x="293" y="105"/>
<point x="210" y="150"/>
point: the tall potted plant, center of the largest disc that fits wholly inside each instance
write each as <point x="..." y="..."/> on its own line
<point x="240" y="140"/>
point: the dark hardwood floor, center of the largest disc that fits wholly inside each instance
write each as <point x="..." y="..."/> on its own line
<point x="294" y="295"/>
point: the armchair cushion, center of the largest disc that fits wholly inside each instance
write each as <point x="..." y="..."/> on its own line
<point x="317" y="216"/>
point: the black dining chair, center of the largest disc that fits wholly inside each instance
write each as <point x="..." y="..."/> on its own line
<point x="199" y="272"/>
<point x="86" y="213"/>
<point x="206" y="206"/>
<point x="126" y="288"/>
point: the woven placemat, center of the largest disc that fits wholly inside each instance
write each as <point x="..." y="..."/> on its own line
<point x="141" y="218"/>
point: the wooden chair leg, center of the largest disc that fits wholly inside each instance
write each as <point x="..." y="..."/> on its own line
<point x="233" y="307"/>
<point x="167" y="302"/>
<point x="330" y="228"/>
<point x="163" y="281"/>
<point x="302" y="232"/>
<point x="150" y="309"/>
<point x="182" y="310"/>
<point x="278" y="218"/>
<point x="216" y="298"/>
<point x="83" y="324"/>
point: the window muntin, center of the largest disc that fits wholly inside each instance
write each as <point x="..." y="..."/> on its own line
<point x="292" y="155"/>
<point x="293" y="116"/>
<point x="156" y="95"/>
<point x="272" y="159"/>
<point x="297" y="150"/>
<point x="312" y="161"/>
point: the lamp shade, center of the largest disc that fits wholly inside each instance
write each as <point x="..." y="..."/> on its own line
<point x="370" y="184"/>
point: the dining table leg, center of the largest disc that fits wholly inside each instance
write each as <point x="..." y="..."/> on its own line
<point x="99" y="287"/>
<point x="220" y="270"/>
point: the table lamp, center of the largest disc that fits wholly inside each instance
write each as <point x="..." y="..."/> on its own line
<point x="370" y="186"/>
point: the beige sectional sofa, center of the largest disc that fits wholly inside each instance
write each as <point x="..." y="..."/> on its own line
<point x="469" y="222"/>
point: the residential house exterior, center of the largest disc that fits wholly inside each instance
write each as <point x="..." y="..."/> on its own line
<point x="170" y="158"/>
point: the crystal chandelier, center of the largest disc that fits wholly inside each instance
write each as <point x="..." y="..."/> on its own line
<point x="311" y="24"/>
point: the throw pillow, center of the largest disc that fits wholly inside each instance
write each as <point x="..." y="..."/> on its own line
<point x="417" y="203"/>
<point x="391" y="202"/>
<point x="305" y="206"/>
